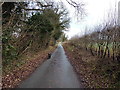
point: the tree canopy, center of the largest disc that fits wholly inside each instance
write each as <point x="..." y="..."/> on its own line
<point x="26" y="29"/>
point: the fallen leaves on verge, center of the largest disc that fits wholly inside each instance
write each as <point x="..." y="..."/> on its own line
<point x="14" y="77"/>
<point x="83" y="64"/>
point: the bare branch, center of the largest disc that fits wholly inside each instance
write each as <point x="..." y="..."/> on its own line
<point x="79" y="8"/>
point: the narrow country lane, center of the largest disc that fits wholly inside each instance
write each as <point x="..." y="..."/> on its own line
<point x="56" y="72"/>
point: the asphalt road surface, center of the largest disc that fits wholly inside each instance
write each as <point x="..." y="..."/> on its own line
<point x="56" y="72"/>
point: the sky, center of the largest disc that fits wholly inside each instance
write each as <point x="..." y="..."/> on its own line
<point x="96" y="13"/>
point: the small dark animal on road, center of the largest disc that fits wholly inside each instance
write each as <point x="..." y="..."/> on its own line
<point x="49" y="55"/>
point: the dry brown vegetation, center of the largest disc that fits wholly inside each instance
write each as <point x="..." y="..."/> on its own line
<point x="93" y="72"/>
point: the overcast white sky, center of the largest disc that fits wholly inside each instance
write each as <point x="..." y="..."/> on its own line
<point x="96" y="13"/>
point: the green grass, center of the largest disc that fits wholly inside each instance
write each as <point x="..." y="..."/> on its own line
<point x="110" y="47"/>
